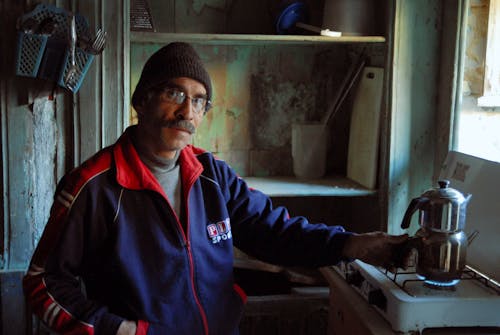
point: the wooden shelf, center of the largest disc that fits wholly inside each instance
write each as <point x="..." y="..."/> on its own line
<point x="248" y="39"/>
<point x="292" y="187"/>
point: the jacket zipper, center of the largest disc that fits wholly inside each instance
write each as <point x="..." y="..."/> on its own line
<point x="197" y="300"/>
<point x="185" y="236"/>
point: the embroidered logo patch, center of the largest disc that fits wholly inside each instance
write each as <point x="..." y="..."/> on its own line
<point x="219" y="231"/>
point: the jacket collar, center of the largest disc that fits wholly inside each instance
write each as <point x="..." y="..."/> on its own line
<point x="132" y="173"/>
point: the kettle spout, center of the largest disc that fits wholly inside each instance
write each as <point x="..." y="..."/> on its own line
<point x="472" y="236"/>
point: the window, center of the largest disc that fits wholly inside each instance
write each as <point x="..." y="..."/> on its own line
<point x="478" y="129"/>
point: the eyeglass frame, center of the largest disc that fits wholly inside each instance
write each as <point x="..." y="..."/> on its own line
<point x="160" y="91"/>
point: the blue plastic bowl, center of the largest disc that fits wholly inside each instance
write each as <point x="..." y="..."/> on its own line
<point x="293" y="13"/>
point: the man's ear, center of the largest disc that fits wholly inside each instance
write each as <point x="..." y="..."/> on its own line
<point x="141" y="104"/>
<point x="139" y="109"/>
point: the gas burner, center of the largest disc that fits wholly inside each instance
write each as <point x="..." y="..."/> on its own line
<point x="440" y="286"/>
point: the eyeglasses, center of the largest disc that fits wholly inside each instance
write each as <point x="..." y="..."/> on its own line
<point x="177" y="96"/>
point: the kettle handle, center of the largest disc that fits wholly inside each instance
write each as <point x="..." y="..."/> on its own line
<point x="415" y="204"/>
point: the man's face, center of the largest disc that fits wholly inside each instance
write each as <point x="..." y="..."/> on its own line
<point x="165" y="123"/>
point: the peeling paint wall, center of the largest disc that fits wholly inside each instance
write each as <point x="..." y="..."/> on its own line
<point x="261" y="89"/>
<point x="44" y="132"/>
<point x="259" y="92"/>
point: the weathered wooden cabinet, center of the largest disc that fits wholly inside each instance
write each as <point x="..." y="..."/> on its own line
<point x="263" y="84"/>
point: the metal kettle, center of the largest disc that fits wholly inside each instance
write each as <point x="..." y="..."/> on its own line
<point x="441" y="242"/>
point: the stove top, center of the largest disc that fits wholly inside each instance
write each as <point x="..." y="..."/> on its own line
<point x="472" y="284"/>
<point x="409" y="304"/>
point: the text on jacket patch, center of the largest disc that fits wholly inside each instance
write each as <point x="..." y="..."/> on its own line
<point x="219" y="231"/>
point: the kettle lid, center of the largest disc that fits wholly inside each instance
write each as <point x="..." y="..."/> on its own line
<point x="444" y="191"/>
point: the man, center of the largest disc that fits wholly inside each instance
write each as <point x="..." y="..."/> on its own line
<point x="140" y="236"/>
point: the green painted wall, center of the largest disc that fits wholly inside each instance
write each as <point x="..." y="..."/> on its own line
<point x="259" y="92"/>
<point x="413" y="137"/>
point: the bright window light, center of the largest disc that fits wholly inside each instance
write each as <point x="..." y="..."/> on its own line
<point x="478" y="129"/>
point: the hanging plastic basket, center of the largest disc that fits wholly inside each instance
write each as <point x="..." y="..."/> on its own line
<point x="46" y="56"/>
<point x="30" y="48"/>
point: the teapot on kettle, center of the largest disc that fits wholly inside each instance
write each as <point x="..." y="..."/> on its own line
<point x="441" y="242"/>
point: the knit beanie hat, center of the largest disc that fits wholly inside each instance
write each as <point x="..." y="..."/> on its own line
<point x="177" y="59"/>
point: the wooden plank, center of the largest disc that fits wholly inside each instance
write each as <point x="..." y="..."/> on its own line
<point x="450" y="73"/>
<point x="17" y="146"/>
<point x="414" y="94"/>
<point x="291" y="186"/>
<point x="245" y="39"/>
<point x="102" y="108"/>
<point x="44" y="162"/>
<point x="362" y="160"/>
<point x="88" y="109"/>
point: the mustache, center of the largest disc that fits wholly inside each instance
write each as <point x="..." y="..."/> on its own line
<point x="181" y="124"/>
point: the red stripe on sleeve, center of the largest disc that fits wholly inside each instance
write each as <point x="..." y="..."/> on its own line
<point x="42" y="305"/>
<point x="142" y="328"/>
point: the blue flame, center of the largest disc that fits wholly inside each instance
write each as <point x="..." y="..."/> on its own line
<point x="439" y="283"/>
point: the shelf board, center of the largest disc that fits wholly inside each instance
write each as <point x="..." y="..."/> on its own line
<point x="291" y="187"/>
<point x="247" y="39"/>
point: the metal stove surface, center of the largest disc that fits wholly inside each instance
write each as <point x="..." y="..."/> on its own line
<point x="410" y="306"/>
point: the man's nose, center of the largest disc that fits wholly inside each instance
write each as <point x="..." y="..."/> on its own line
<point x="186" y="110"/>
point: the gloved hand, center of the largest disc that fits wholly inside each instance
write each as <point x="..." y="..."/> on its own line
<point x="379" y="249"/>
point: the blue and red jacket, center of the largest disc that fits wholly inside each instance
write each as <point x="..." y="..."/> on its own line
<point x="112" y="231"/>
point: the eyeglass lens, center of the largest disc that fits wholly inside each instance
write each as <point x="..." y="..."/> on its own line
<point x="178" y="97"/>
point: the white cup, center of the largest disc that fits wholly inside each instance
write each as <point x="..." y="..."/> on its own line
<point x="309" y="144"/>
